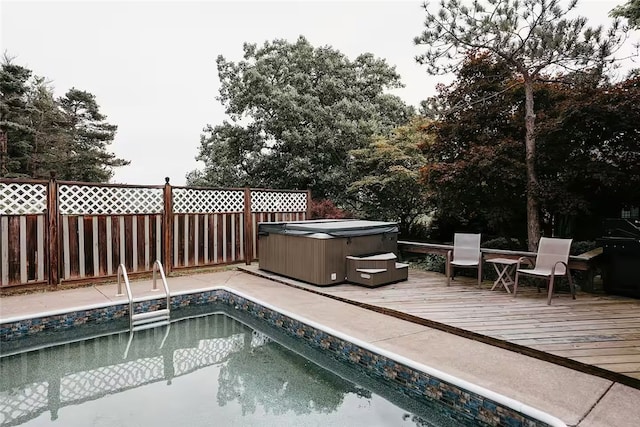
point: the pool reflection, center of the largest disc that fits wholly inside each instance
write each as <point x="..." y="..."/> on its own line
<point x="255" y="375"/>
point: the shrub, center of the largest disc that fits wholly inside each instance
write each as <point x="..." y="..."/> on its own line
<point x="430" y="262"/>
<point x="583" y="246"/>
<point x="504" y="244"/>
<point x="327" y="209"/>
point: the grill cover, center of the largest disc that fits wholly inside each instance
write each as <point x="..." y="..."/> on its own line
<point x="621" y="253"/>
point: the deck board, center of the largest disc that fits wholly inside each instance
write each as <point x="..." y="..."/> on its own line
<point x="594" y="330"/>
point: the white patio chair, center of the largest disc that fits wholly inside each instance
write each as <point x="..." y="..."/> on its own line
<point x="465" y="254"/>
<point x="552" y="260"/>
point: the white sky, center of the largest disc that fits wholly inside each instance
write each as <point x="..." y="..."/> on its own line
<point x="151" y="64"/>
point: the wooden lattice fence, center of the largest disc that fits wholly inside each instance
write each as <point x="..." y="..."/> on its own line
<point x="208" y="226"/>
<point x="23" y="236"/>
<point x="52" y="231"/>
<point x="102" y="226"/>
<point x="272" y="205"/>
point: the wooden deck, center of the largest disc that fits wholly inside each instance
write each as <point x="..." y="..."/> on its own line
<point x="598" y="334"/>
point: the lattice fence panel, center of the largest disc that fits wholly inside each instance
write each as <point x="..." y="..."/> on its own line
<point x="22" y="198"/>
<point x="192" y="200"/>
<point x="275" y="201"/>
<point x="98" y="200"/>
<point x="110" y="379"/>
<point x="208" y="352"/>
<point x="22" y="402"/>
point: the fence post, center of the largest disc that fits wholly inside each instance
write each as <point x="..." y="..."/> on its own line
<point x="167" y="225"/>
<point x="308" y="213"/>
<point x="248" y="227"/>
<point x="54" y="244"/>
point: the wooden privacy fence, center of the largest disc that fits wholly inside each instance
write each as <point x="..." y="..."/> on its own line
<point x="55" y="231"/>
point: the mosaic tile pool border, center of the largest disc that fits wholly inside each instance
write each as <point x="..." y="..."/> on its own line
<point x="412" y="382"/>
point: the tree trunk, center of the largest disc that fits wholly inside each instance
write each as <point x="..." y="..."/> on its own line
<point x="533" y="221"/>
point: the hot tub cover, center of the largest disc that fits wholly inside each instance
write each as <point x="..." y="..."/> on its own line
<point x="331" y="227"/>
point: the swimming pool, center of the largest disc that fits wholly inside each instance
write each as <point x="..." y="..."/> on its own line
<point x="200" y="370"/>
<point x="421" y="384"/>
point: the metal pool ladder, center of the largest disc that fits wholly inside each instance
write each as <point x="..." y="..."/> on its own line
<point x="149" y="319"/>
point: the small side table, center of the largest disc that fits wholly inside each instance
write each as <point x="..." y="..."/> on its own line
<point x="505" y="271"/>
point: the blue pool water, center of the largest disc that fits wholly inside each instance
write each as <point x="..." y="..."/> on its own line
<point x="200" y="371"/>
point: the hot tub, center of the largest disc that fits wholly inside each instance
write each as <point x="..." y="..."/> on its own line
<point x="315" y="251"/>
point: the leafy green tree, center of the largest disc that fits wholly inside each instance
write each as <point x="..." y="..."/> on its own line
<point x="390" y="187"/>
<point x="232" y="155"/>
<point x="50" y="135"/>
<point x="590" y="156"/>
<point x="533" y="38"/>
<point x="629" y="10"/>
<point x="15" y="129"/>
<point x="296" y="111"/>
<point x="85" y="156"/>
<point x="40" y="133"/>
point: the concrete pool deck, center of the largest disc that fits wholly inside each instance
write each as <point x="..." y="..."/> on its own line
<point x="577" y="398"/>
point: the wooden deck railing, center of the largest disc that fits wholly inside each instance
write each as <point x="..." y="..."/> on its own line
<point x="60" y="231"/>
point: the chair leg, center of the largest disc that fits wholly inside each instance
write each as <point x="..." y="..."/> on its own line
<point x="480" y="274"/>
<point x="515" y="285"/>
<point x="550" y="289"/>
<point x="448" y="268"/>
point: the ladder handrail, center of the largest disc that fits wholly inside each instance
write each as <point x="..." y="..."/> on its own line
<point x="122" y="272"/>
<point x="157" y="266"/>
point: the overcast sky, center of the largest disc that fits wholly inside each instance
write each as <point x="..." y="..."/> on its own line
<point x="151" y="64"/>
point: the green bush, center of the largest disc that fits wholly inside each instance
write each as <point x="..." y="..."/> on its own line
<point x="504" y="244"/>
<point x="430" y="262"/>
<point x="581" y="247"/>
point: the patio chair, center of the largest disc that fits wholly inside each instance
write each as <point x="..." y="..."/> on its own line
<point x="465" y="254"/>
<point x="551" y="260"/>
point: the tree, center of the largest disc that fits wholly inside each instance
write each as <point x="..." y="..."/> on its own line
<point x="588" y="158"/>
<point x="474" y="167"/>
<point x="590" y="162"/>
<point x="390" y="187"/>
<point x="296" y="111"/>
<point x="50" y="133"/>
<point x="40" y="133"/>
<point x="15" y="129"/>
<point x="85" y="157"/>
<point x="232" y="155"/>
<point x="631" y="11"/>
<point x="534" y="38"/>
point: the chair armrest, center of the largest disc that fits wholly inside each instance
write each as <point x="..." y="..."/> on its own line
<point x="553" y="269"/>
<point x="525" y="260"/>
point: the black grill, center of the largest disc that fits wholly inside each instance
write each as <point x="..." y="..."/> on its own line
<point x="621" y="253"/>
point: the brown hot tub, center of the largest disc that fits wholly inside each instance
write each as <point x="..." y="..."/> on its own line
<point x="316" y="251"/>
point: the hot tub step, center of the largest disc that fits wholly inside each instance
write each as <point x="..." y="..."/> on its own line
<point x="376" y="269"/>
